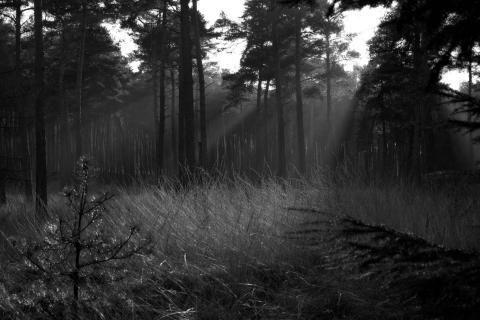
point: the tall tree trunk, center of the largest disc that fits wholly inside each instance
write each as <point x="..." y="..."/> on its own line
<point x="3" y="192"/>
<point x="258" y="135"/>
<point x="302" y="166"/>
<point x="163" y="105"/>
<point x="172" y="112"/>
<point x="40" y="142"/>
<point x="3" y="168"/>
<point x="201" y="84"/>
<point x="156" y="120"/>
<point x="187" y="164"/>
<point x="384" y="149"/>
<point x="181" y="133"/>
<point x="265" y="122"/>
<point x="79" y="80"/>
<point x="328" y="68"/>
<point x="470" y="77"/>
<point x="470" y="93"/>
<point x="282" y="163"/>
<point x="420" y="103"/>
<point x="66" y="165"/>
<point x="27" y="183"/>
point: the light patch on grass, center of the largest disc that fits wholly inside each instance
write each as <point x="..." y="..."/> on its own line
<point x="226" y="222"/>
<point x="222" y="222"/>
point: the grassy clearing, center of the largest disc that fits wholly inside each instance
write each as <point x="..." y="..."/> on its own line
<point x="218" y="252"/>
<point x="221" y="251"/>
<point x="447" y="216"/>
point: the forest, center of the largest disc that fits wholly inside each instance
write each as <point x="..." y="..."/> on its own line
<point x="303" y="185"/>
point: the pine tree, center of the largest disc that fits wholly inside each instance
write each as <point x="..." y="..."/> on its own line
<point x="299" y="92"/>
<point x="201" y="84"/>
<point x="40" y="140"/>
<point x="187" y="135"/>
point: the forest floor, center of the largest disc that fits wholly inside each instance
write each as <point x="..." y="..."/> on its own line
<point x="255" y="253"/>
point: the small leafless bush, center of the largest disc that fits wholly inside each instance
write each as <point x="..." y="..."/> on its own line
<point x="74" y="253"/>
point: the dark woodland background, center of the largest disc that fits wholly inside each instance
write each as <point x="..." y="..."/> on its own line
<point x="291" y="108"/>
<point x="218" y="165"/>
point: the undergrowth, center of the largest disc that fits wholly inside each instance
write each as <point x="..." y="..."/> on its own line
<point x="230" y="249"/>
<point x="217" y="252"/>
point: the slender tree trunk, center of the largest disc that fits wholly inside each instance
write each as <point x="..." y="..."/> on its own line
<point x="3" y="168"/>
<point x="282" y="163"/>
<point x="77" y="242"/>
<point x="40" y="142"/>
<point x="186" y="91"/>
<point x="299" y="95"/>
<point x="66" y="167"/>
<point x="163" y="105"/>
<point x="27" y="183"/>
<point x="470" y="93"/>
<point x="329" y="85"/>
<point x="470" y="77"/>
<point x="201" y="84"/>
<point x="3" y="191"/>
<point x="384" y="148"/>
<point x="258" y="138"/>
<point x="156" y="108"/>
<point x="265" y="99"/>
<point x="181" y="133"/>
<point x="420" y="103"/>
<point x="265" y="123"/>
<point x="173" y="117"/>
<point x="79" y="80"/>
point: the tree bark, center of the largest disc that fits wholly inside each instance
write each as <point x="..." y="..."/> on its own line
<point x="420" y="103"/>
<point x="79" y="80"/>
<point x="156" y="119"/>
<point x="384" y="149"/>
<point x="201" y="84"/>
<point x="3" y="192"/>
<point x="27" y="183"/>
<point x="470" y="77"/>
<point x="265" y="126"/>
<point x="68" y="165"/>
<point x="328" y="67"/>
<point x="258" y="138"/>
<point x="181" y="132"/>
<point x="40" y="142"/>
<point x="3" y="168"/>
<point x="187" y="164"/>
<point x="163" y="105"/>
<point x="470" y="93"/>
<point x="173" y="117"/>
<point x="282" y="164"/>
<point x="299" y="95"/>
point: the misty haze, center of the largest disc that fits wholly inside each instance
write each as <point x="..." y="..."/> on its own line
<point x="253" y="159"/>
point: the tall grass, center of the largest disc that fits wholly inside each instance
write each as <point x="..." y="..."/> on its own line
<point x="217" y="221"/>
<point x="220" y="250"/>
<point x="211" y="242"/>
